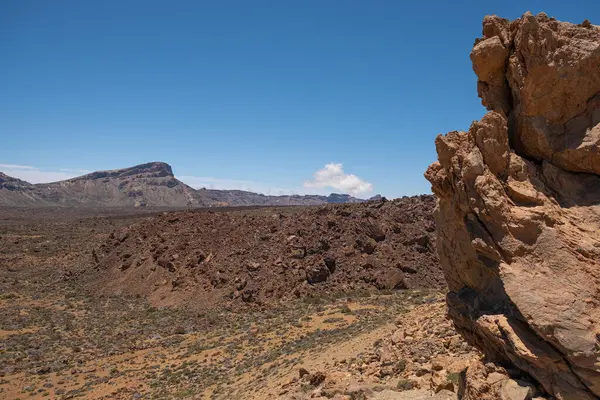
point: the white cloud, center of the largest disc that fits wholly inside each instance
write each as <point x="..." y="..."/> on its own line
<point x="78" y="171"/>
<point x="333" y="176"/>
<point x="14" y="166"/>
<point x="36" y="175"/>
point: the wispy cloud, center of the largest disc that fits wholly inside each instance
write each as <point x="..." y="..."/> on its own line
<point x="333" y="176"/>
<point x="15" y="166"/>
<point x="37" y="175"/>
<point x="82" y="171"/>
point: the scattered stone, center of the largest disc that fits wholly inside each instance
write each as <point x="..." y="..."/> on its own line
<point x="516" y="390"/>
<point x="330" y="264"/>
<point x="252" y="266"/>
<point x="44" y="370"/>
<point x="317" y="378"/>
<point x="303" y="372"/>
<point x="318" y="273"/>
<point x="440" y="381"/>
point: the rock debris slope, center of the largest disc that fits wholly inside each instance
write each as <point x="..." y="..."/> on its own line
<point x="261" y="256"/>
<point x="518" y="212"/>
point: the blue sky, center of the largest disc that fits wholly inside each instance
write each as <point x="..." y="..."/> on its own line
<point x="260" y="95"/>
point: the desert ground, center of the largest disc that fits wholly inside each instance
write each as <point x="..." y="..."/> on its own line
<point x="74" y="325"/>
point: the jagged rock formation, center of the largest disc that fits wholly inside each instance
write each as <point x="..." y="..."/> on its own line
<point x="518" y="211"/>
<point x="152" y="184"/>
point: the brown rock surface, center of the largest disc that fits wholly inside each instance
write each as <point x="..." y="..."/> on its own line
<point x="518" y="211"/>
<point x="263" y="255"/>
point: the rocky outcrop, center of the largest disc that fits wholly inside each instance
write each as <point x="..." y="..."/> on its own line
<point x="518" y="211"/>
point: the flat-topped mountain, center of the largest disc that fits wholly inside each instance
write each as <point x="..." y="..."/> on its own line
<point x="142" y="185"/>
<point x="151" y="184"/>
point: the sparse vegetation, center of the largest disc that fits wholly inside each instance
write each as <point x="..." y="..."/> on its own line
<point x="61" y="339"/>
<point x="400" y="366"/>
<point x="405" y="384"/>
<point x="345" y="309"/>
<point x="454" y="377"/>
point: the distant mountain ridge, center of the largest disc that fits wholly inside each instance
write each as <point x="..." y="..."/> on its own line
<point x="146" y="185"/>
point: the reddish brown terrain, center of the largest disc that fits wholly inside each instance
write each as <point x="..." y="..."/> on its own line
<point x="221" y="303"/>
<point x="256" y="256"/>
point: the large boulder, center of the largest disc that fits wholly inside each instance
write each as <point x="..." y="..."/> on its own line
<point x="518" y="211"/>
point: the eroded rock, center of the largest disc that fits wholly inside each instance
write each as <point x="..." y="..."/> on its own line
<point x="518" y="210"/>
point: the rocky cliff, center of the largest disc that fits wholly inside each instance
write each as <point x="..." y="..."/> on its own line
<point x="151" y="184"/>
<point x="518" y="210"/>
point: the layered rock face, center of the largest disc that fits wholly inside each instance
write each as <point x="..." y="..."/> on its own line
<point x="518" y="211"/>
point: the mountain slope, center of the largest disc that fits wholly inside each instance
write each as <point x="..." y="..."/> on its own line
<point x="15" y="192"/>
<point x="243" y="198"/>
<point x="152" y="184"/>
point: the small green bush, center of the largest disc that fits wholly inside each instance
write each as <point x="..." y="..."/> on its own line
<point x="405" y="384"/>
<point x="400" y="366"/>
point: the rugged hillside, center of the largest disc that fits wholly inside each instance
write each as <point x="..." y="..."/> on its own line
<point x="15" y="192"/>
<point x="518" y="213"/>
<point x="243" y="198"/>
<point x="147" y="184"/>
<point x="10" y="183"/>
<point x="152" y="184"/>
<point x="271" y="254"/>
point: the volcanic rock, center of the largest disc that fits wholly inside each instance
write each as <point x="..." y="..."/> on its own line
<point x="221" y="257"/>
<point x="518" y="210"/>
<point x="317" y="273"/>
